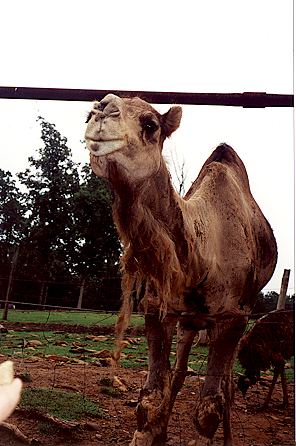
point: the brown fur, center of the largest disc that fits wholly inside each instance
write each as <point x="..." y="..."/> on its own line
<point x="269" y="343"/>
<point x="199" y="260"/>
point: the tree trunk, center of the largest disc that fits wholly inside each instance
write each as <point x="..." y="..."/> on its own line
<point x="43" y="295"/>
<point x="282" y="297"/>
<point x="81" y="292"/>
<point x="9" y="286"/>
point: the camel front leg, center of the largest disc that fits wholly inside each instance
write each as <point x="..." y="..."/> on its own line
<point x="216" y="397"/>
<point x="185" y="338"/>
<point x="276" y="373"/>
<point x="285" y="389"/>
<point x="153" y="409"/>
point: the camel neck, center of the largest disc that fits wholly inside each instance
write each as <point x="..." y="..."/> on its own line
<point x="146" y="206"/>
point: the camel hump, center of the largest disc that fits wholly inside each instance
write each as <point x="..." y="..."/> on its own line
<point x="223" y="154"/>
<point x="227" y="156"/>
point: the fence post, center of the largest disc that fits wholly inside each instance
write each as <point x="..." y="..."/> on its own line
<point x="81" y="292"/>
<point x="284" y="286"/>
<point x="9" y="286"/>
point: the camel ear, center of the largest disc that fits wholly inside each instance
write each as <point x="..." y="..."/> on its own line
<point x="171" y="120"/>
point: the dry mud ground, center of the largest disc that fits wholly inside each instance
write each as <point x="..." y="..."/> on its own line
<point x="251" y="427"/>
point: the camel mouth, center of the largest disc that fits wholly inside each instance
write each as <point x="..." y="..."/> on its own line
<point x="101" y="147"/>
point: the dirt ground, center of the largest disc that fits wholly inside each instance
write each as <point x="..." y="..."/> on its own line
<point x="251" y="426"/>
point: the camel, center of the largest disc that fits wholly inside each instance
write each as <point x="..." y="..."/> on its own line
<point x="193" y="263"/>
<point x="269" y="343"/>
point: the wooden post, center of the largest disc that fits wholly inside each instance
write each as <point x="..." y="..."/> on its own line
<point x="41" y="295"/>
<point x="9" y="286"/>
<point x="282" y="297"/>
<point x="44" y="296"/>
<point x="81" y="292"/>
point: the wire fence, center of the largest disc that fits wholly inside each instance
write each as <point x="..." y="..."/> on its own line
<point x="62" y="360"/>
<point x="77" y="356"/>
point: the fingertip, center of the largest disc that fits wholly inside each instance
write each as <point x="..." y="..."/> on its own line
<point x="18" y="383"/>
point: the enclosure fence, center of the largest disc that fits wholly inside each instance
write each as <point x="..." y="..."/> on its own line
<point x="246" y="99"/>
<point x="42" y="361"/>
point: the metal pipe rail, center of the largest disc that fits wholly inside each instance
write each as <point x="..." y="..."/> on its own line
<point x="246" y="100"/>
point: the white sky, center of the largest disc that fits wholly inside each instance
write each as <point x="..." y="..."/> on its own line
<point x="164" y="45"/>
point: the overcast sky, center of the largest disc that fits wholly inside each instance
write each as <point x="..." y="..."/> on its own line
<point x="194" y="46"/>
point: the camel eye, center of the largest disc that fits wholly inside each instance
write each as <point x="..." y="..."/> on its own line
<point x="149" y="125"/>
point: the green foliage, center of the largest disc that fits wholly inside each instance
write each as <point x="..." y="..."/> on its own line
<point x="267" y="302"/>
<point x="62" y="223"/>
<point x="98" y="247"/>
<point x="67" y="406"/>
<point x="51" y="182"/>
<point x="12" y="219"/>
<point x="12" y="223"/>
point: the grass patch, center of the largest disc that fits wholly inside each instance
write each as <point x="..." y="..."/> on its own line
<point x="19" y="344"/>
<point x="67" y="406"/>
<point x="290" y="372"/>
<point x="198" y="359"/>
<point x="47" y="428"/>
<point x="111" y="391"/>
<point x="69" y="317"/>
<point x="136" y="355"/>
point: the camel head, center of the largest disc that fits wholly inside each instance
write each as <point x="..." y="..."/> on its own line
<point x="248" y="379"/>
<point x="126" y="136"/>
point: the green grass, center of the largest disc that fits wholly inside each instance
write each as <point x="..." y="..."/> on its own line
<point x="198" y="359"/>
<point x="15" y="344"/>
<point x="66" y="406"/>
<point x="69" y="317"/>
<point x="111" y="391"/>
<point x="135" y="355"/>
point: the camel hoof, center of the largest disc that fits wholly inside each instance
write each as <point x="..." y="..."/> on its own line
<point x="142" y="439"/>
<point x="209" y="414"/>
<point x="147" y="439"/>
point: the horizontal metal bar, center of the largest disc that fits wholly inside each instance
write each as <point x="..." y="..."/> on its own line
<point x="247" y="99"/>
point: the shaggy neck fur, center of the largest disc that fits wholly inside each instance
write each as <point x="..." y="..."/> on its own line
<point x="158" y="249"/>
<point x="152" y="231"/>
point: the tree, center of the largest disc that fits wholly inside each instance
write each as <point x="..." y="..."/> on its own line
<point x="62" y="225"/>
<point x="12" y="229"/>
<point x="265" y="303"/>
<point x="179" y="173"/>
<point x="97" y="247"/>
<point x="12" y="219"/>
<point x="51" y="182"/>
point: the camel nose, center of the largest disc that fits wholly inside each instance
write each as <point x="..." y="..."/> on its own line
<point x="110" y="105"/>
